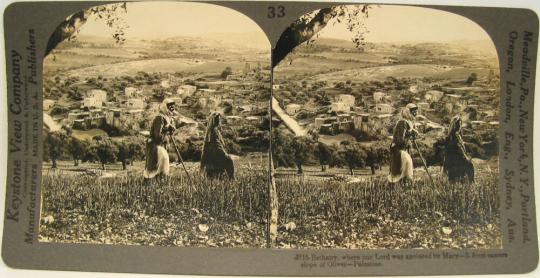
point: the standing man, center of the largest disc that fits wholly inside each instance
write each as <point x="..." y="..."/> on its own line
<point x="401" y="165"/>
<point x="157" y="157"/>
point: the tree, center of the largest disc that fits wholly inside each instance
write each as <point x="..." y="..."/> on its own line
<point x="77" y="149"/>
<point x="191" y="150"/>
<point x="309" y="25"/>
<point x="472" y="112"/>
<point x="375" y="156"/>
<point x="227" y="108"/>
<point x="226" y="72"/>
<point x="129" y="151"/>
<point x="473" y="77"/>
<point x="281" y="148"/>
<point x="354" y="156"/>
<point x="383" y="153"/>
<point x="372" y="159"/>
<point x="232" y="147"/>
<point x="68" y="29"/>
<point x="301" y="148"/>
<point x="105" y="151"/>
<point x="324" y="154"/>
<point x="337" y="159"/>
<point x="54" y="147"/>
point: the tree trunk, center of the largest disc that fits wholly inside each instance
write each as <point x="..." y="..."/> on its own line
<point x="124" y="164"/>
<point x="352" y="172"/>
<point x="300" y="170"/>
<point x="76" y="162"/>
<point x="300" y="32"/>
<point x="372" y="169"/>
<point x="54" y="166"/>
<point x="103" y="166"/>
<point x="66" y="29"/>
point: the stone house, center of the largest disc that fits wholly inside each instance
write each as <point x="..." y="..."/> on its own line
<point x="135" y="103"/>
<point x="339" y="107"/>
<point x="292" y="108"/>
<point x="433" y="95"/>
<point x="379" y="97"/>
<point x="346" y="99"/>
<point x="186" y="90"/>
<point x="130" y="92"/>
<point x="383" y="108"/>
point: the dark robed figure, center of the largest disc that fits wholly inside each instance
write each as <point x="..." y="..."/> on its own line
<point x="215" y="161"/>
<point x="457" y="163"/>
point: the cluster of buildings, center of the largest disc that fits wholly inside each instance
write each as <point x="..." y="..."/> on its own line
<point x="345" y="115"/>
<point x="123" y="111"/>
<point x="132" y="109"/>
<point x="376" y="114"/>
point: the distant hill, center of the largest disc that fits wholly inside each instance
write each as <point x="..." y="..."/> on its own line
<point x="256" y="40"/>
<point x="253" y="40"/>
<point x="477" y="47"/>
<point x="100" y="55"/>
<point x="334" y="43"/>
<point x="484" y="47"/>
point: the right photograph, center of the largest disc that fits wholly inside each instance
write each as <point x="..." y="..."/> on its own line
<point x="385" y="123"/>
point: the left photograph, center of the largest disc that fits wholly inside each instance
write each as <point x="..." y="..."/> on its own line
<point x="156" y="127"/>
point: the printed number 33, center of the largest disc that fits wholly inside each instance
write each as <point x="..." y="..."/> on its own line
<point x="274" y="12"/>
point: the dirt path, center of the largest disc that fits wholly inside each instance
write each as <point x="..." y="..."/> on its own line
<point x="49" y="123"/>
<point x="291" y="123"/>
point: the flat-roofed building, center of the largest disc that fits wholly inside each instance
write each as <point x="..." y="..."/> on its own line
<point x="292" y="108"/>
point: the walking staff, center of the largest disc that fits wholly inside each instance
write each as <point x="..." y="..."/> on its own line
<point x="179" y="156"/>
<point x="423" y="161"/>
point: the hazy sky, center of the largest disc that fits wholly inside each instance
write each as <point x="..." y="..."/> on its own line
<point x="169" y="19"/>
<point x="386" y="23"/>
<point x="406" y="24"/>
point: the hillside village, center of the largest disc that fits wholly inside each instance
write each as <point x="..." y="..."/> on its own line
<point x="124" y="106"/>
<point x="111" y="176"/>
<point x="346" y="107"/>
<point x="347" y="95"/>
<point x="128" y="110"/>
<point x="357" y="95"/>
<point x="115" y="92"/>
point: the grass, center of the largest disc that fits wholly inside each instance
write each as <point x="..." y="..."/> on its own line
<point x="327" y="213"/>
<point x="341" y="201"/>
<point x="241" y="199"/>
<point x="88" y="135"/>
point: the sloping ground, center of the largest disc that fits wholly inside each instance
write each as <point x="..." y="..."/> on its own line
<point x="88" y="135"/>
<point x="156" y="65"/>
<point x="132" y="67"/>
<point x="399" y="71"/>
<point x="69" y="61"/>
<point x="335" y="139"/>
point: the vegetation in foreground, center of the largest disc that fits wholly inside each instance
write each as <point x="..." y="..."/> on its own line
<point x="368" y="214"/>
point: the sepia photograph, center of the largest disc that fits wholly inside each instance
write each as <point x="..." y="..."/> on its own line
<point x="381" y="135"/>
<point x="156" y="127"/>
<point x="385" y="130"/>
<point x="256" y="138"/>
